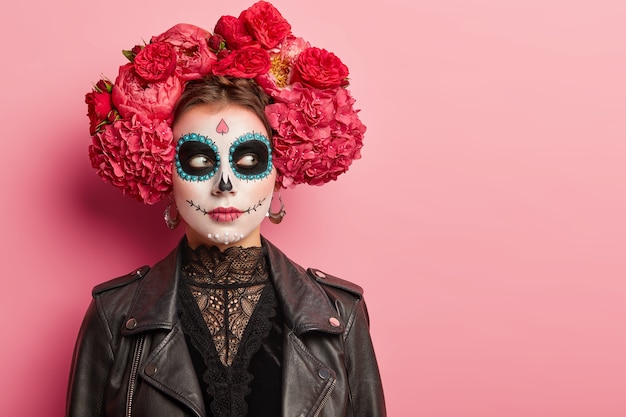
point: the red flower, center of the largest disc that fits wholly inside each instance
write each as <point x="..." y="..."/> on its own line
<point x="136" y="49"/>
<point x="234" y="32"/>
<point x="246" y="62"/>
<point x="100" y="106"/>
<point x="132" y="95"/>
<point x="265" y="23"/>
<point x="156" y="62"/>
<point x="216" y="43"/>
<point x="136" y="157"/>
<point x="318" y="134"/>
<point x="190" y="43"/>
<point x="320" y="69"/>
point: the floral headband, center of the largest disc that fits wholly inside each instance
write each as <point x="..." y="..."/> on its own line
<point x="316" y="131"/>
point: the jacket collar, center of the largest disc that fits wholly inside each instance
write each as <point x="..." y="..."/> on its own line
<point x="304" y="303"/>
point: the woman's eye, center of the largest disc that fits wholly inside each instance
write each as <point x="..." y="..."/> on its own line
<point x="196" y="160"/>
<point x="249" y="160"/>
<point x="201" y="161"/>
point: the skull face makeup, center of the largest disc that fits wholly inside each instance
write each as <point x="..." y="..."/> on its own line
<point x="223" y="178"/>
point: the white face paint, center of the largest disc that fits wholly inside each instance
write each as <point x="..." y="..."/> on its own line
<point x="223" y="178"/>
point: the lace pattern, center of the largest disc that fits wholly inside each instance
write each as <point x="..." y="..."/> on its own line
<point x="227" y="287"/>
<point x="226" y="319"/>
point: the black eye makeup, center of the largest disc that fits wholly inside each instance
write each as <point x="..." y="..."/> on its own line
<point x="250" y="157"/>
<point x="197" y="157"/>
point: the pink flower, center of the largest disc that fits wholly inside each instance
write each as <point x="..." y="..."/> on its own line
<point x="136" y="157"/>
<point x="190" y="43"/>
<point x="318" y="134"/>
<point x="132" y="95"/>
<point x="320" y="69"/>
<point x="279" y="74"/>
<point x="246" y="62"/>
<point x="265" y="23"/>
<point x="291" y="48"/>
<point x="156" y="62"/>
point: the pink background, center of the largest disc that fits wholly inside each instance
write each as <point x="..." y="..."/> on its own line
<point x="485" y="220"/>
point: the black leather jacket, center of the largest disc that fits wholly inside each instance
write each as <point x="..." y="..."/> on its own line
<point x="131" y="357"/>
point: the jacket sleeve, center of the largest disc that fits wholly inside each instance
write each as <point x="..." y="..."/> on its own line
<point x="366" y="391"/>
<point x="93" y="355"/>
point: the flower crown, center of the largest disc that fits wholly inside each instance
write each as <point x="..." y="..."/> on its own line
<point x="316" y="131"/>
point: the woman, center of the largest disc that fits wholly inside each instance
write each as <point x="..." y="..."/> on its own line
<point x="226" y="325"/>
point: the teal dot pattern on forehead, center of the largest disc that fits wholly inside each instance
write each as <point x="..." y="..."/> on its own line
<point x="245" y="138"/>
<point x="196" y="138"/>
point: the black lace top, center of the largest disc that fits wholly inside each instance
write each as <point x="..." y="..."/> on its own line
<point x="233" y="329"/>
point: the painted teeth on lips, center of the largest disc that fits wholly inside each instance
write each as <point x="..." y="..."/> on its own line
<point x="225" y="214"/>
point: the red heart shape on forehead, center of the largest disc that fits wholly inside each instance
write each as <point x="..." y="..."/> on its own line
<point x="222" y="127"/>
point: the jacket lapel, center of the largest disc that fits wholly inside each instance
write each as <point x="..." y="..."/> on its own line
<point x="169" y="368"/>
<point x="167" y="365"/>
<point x="154" y="306"/>
<point x="307" y="381"/>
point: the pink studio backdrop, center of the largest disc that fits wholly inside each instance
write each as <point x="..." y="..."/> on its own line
<point x="486" y="220"/>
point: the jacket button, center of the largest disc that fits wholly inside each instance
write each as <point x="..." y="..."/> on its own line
<point x="324" y="373"/>
<point x="334" y="322"/>
<point x="320" y="274"/>
<point x="131" y="323"/>
<point x="151" y="369"/>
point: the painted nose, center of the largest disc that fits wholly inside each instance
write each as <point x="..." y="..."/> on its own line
<point x="225" y="186"/>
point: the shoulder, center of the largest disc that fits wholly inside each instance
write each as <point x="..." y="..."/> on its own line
<point x="345" y="296"/>
<point x="329" y="281"/>
<point x="281" y="262"/>
<point x="121" y="281"/>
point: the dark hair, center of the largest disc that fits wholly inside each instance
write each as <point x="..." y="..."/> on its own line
<point x="220" y="90"/>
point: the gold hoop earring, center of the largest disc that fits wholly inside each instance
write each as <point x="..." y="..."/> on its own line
<point x="171" y="222"/>
<point x="277" y="217"/>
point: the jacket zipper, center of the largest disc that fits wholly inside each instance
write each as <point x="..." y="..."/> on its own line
<point x="132" y="382"/>
<point x="325" y="399"/>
